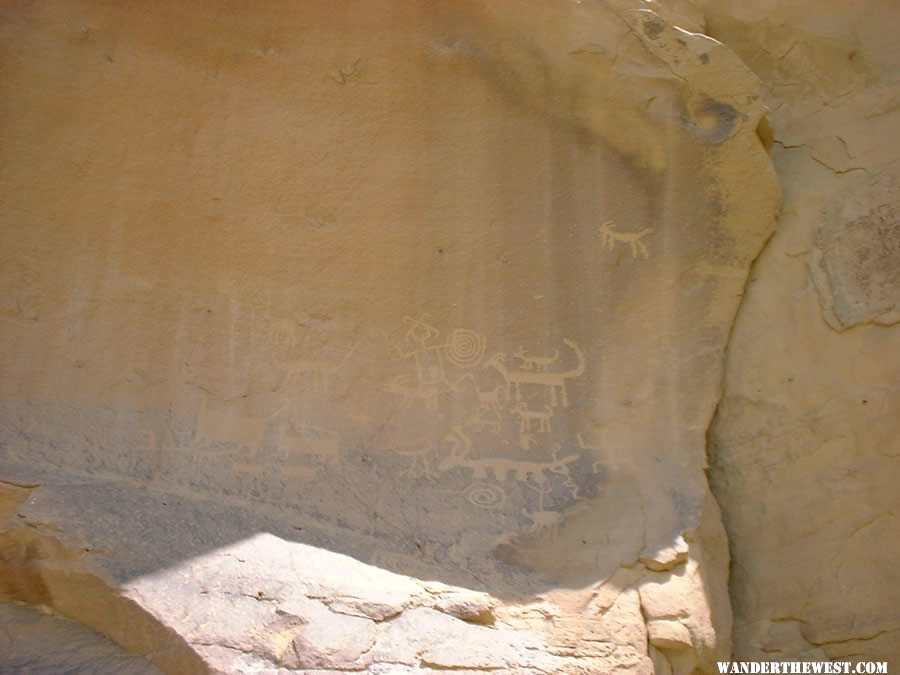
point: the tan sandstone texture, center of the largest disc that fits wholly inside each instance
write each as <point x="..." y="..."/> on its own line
<point x="806" y="444"/>
<point x="389" y="336"/>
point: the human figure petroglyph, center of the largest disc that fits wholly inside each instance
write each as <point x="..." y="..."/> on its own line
<point x="500" y="468"/>
<point x="314" y="375"/>
<point x="428" y="359"/>
<point x="527" y="416"/>
<point x="530" y="362"/>
<point x="555" y="381"/>
<point x="610" y="235"/>
<point x="463" y="349"/>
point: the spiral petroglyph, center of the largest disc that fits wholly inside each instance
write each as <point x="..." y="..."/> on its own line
<point x="485" y="496"/>
<point x="465" y="348"/>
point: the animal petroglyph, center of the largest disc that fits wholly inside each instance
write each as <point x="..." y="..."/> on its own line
<point x="610" y="236"/>
<point x="541" y="517"/>
<point x="526" y="417"/>
<point x="324" y="447"/>
<point x="554" y="381"/>
<point x="530" y="362"/>
<point x="500" y="468"/>
<point x="420" y="461"/>
<point x="228" y="422"/>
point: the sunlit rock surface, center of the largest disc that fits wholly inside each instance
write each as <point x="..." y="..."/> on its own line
<point x="386" y="337"/>
<point x="806" y="444"/>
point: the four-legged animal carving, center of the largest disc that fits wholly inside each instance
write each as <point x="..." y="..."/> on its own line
<point x="554" y="381"/>
<point x="541" y="519"/>
<point x="323" y="447"/>
<point x="610" y="235"/>
<point x="530" y="362"/>
<point x="526" y="417"/>
<point x="228" y="421"/>
<point x="420" y="461"/>
<point x="500" y="468"/>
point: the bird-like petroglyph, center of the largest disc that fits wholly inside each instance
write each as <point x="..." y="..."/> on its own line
<point x="313" y="375"/>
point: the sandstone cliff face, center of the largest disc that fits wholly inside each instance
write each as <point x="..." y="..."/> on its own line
<point x="807" y="439"/>
<point x="386" y="338"/>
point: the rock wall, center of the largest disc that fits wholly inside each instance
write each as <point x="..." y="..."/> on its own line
<point x="393" y="333"/>
<point x="807" y="438"/>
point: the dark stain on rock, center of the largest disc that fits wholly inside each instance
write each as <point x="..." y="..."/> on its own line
<point x="653" y="28"/>
<point x="714" y="121"/>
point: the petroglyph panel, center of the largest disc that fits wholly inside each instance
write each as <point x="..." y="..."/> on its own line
<point x="450" y="282"/>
